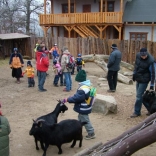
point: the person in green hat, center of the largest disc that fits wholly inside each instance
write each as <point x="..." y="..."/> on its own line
<point x="80" y="105"/>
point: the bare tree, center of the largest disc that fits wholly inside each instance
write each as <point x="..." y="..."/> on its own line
<point x="17" y="14"/>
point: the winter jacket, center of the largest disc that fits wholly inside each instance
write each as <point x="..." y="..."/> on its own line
<point x="141" y="70"/>
<point x="114" y="60"/>
<point x="65" y="61"/>
<point x="4" y="136"/>
<point x="54" y="51"/>
<point x="42" y="62"/>
<point x="29" y="71"/>
<point x="16" y="60"/>
<point x="82" y="94"/>
<point x="152" y="69"/>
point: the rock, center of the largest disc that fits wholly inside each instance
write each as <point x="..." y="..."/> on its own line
<point x="104" y="104"/>
<point x="102" y="79"/>
<point x="102" y="84"/>
<point x="91" y="76"/>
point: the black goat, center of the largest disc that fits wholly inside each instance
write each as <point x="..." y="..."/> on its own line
<point x="58" y="134"/>
<point x="150" y="98"/>
<point x="50" y="118"/>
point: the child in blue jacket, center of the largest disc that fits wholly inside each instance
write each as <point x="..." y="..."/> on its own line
<point x="80" y="105"/>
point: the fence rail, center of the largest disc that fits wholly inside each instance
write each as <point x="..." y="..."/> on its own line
<point x="91" y="45"/>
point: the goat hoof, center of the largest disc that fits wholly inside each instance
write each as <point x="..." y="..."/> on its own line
<point x="37" y="148"/>
<point x="59" y="152"/>
<point x="71" y="146"/>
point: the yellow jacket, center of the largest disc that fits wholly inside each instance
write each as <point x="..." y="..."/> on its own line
<point x="29" y="71"/>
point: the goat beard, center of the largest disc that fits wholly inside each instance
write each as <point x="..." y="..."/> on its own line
<point x="0" y="112"/>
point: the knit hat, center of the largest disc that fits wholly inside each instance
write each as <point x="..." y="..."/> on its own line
<point x="143" y="51"/>
<point x="81" y="76"/>
<point x="29" y="63"/>
<point x="114" y="46"/>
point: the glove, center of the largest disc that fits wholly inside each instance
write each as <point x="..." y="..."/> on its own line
<point x="151" y="87"/>
<point x="64" y="100"/>
<point x="22" y="74"/>
<point x="133" y="77"/>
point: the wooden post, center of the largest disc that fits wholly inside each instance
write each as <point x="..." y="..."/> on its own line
<point x="44" y="6"/>
<point x="101" y="9"/>
<point x="105" y="5"/>
<point x="121" y="6"/>
<point x="119" y="33"/>
<point x="52" y="7"/>
<point x="68" y="6"/>
<point x="74" y="6"/>
<point x="152" y="32"/>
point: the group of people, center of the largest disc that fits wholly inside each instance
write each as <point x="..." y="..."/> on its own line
<point x="59" y="62"/>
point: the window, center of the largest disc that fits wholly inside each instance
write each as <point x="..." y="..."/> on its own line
<point x="65" y="8"/>
<point x="110" y="6"/>
<point x="140" y="36"/>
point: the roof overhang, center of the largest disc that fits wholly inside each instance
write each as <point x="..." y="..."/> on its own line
<point x="13" y="36"/>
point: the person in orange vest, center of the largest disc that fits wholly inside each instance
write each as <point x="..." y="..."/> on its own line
<point x="54" y="52"/>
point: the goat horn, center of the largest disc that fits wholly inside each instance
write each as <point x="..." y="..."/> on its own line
<point x="40" y="120"/>
<point x="33" y="120"/>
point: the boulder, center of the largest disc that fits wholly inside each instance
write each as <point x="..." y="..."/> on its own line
<point x="105" y="104"/>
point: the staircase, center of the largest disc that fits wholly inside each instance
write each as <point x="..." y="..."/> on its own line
<point x="84" y="31"/>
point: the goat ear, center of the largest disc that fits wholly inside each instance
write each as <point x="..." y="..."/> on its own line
<point x="59" y="100"/>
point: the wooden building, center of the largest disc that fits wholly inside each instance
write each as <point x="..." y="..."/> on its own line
<point x="79" y="18"/>
<point x="106" y="19"/>
<point x="11" y="40"/>
<point x="139" y="20"/>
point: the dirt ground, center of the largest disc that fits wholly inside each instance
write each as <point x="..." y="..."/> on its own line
<point x="22" y="104"/>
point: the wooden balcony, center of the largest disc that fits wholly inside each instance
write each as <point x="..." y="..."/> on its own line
<point x="80" y="18"/>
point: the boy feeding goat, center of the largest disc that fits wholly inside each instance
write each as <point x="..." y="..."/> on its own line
<point x="83" y="102"/>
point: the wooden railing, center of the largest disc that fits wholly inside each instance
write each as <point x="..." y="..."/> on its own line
<point x="80" y="18"/>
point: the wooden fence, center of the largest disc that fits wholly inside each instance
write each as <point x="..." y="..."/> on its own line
<point x="91" y="45"/>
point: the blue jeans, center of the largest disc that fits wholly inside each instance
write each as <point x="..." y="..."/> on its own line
<point x="56" y="79"/>
<point x="140" y="89"/>
<point x="79" y="67"/>
<point x="67" y="76"/>
<point x="85" y="118"/>
<point x="41" y="79"/>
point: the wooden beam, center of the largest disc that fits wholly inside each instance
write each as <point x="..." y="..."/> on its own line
<point x="45" y="29"/>
<point x="74" y="6"/>
<point x="101" y="8"/>
<point x="68" y="6"/>
<point x="121" y="5"/>
<point x="105" y="5"/>
<point x="119" y="33"/>
<point x="152" y="33"/>
<point x="52" y="6"/>
<point x="44" y="6"/>
<point x="116" y="27"/>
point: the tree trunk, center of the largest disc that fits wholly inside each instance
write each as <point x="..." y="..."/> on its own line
<point x="134" y="143"/>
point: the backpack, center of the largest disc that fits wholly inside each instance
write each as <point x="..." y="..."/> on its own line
<point x="70" y="64"/>
<point x="92" y="95"/>
<point x="79" y="61"/>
